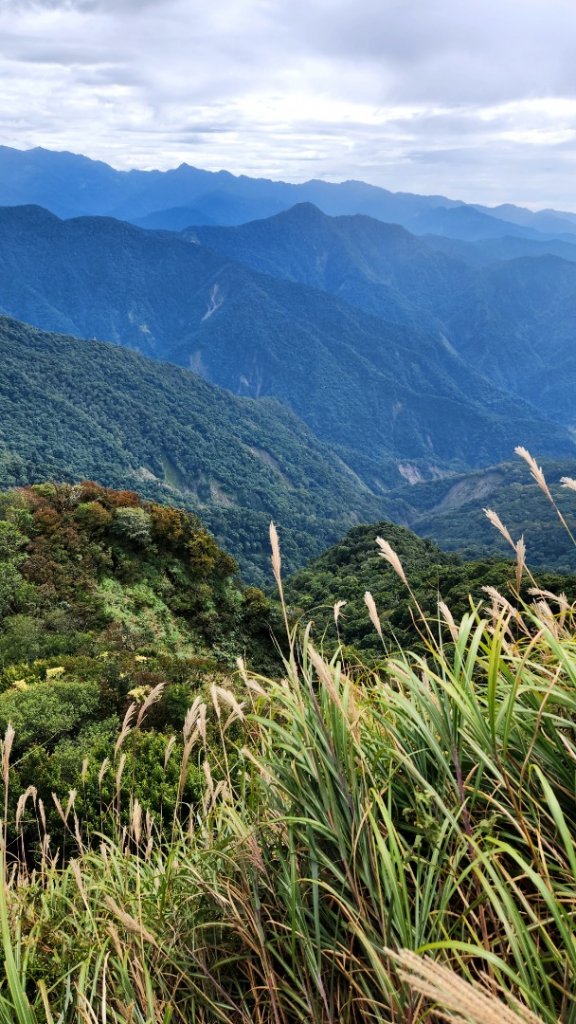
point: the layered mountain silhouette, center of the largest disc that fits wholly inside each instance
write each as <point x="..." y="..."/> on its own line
<point x="308" y="349"/>
<point x="72" y="185"/>
<point x="378" y="390"/>
<point x="508" y="309"/>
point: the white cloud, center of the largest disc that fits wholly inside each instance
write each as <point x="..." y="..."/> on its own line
<point x="474" y="99"/>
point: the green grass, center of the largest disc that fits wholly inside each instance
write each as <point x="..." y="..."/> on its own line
<point x="389" y="846"/>
<point x="431" y="810"/>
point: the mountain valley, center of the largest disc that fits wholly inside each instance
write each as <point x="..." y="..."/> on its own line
<point x="377" y="390"/>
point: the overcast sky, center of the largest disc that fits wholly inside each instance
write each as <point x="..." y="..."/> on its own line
<point x="475" y="99"/>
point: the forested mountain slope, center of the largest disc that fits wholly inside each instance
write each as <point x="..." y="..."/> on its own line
<point x="384" y="390"/>
<point x="508" y="307"/>
<point x="85" y="569"/>
<point x="450" y="511"/>
<point x="75" y="410"/>
<point x="382" y="268"/>
<point x="353" y="566"/>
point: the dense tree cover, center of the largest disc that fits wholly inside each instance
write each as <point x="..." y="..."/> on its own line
<point x="74" y="410"/>
<point x="450" y="512"/>
<point x="387" y="390"/>
<point x="103" y="597"/>
<point x="509" y="315"/>
<point x="353" y="566"/>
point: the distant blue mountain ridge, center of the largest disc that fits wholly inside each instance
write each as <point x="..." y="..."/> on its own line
<point x="71" y="185"/>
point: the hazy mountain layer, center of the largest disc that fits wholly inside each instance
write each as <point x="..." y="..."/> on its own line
<point x="383" y="390"/>
<point x="72" y="185"/>
<point x="507" y="306"/>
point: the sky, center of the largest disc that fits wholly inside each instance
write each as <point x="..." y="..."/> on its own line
<point x="475" y="99"/>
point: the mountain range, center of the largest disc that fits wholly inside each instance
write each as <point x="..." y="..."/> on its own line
<point x="72" y="185"/>
<point x="512" y="319"/>
<point x="307" y="365"/>
<point x="396" y="393"/>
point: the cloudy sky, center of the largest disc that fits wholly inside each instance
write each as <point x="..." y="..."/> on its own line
<point x="471" y="98"/>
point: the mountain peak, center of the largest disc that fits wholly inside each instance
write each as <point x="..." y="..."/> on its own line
<point x="304" y="211"/>
<point x="29" y="213"/>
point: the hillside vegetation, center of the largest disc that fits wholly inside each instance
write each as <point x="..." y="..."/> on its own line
<point x="450" y="512"/>
<point x="106" y="599"/>
<point x="350" y="800"/>
<point x="353" y="566"/>
<point x="312" y="847"/>
<point x="403" y="392"/>
<point x="74" y="411"/>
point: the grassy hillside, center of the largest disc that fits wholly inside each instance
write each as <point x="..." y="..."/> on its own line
<point x="315" y="845"/>
<point x="73" y="411"/>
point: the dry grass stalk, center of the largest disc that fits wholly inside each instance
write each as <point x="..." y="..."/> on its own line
<point x="535" y="471"/>
<point x="502" y="603"/>
<point x="130" y="923"/>
<point x="136" y="822"/>
<point x="337" y="609"/>
<point x="324" y="675"/>
<point x="85" y="1012"/>
<point x="6" y="751"/>
<point x="42" y="813"/>
<point x="126" y="727"/>
<point x="71" y="801"/>
<point x="195" y="721"/>
<point x="256" y="688"/>
<point x="63" y="814"/>
<point x="494" y="518"/>
<point x="194" y="724"/>
<point x="276" y="558"/>
<point x="538" y="476"/>
<point x="277" y="570"/>
<point x="23" y="800"/>
<point x="373" y="613"/>
<point x="190" y="719"/>
<point x="547" y="617"/>
<point x="103" y="769"/>
<point x="152" y="698"/>
<point x="459" y="1001"/>
<point x="237" y="713"/>
<point x="75" y="869"/>
<point x="242" y="670"/>
<point x="387" y="552"/>
<point x="569" y="482"/>
<point x="560" y="599"/>
<point x="448" y="618"/>
<point x="520" y="562"/>
<point x="169" y="748"/>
